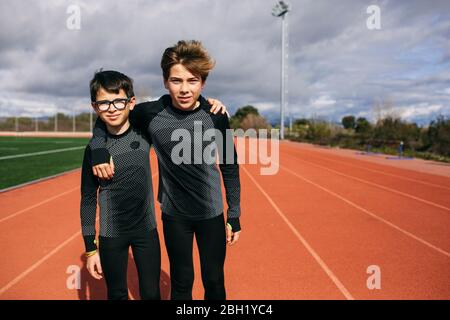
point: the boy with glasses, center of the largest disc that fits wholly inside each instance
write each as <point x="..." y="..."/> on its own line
<point x="127" y="217"/>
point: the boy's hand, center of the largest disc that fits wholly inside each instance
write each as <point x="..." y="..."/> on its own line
<point x="104" y="170"/>
<point x="216" y="106"/>
<point x="94" y="267"/>
<point x="232" y="237"/>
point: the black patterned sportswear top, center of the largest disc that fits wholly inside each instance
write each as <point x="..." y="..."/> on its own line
<point x="126" y="201"/>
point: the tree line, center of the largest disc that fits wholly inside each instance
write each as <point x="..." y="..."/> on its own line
<point x="385" y="135"/>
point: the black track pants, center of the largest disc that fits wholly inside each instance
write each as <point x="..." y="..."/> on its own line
<point x="147" y="256"/>
<point x="211" y="240"/>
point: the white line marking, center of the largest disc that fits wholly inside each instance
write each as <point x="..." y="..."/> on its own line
<point x="37" y="264"/>
<point x="23" y="155"/>
<point x="389" y="174"/>
<point x="322" y="264"/>
<point x="38" y="204"/>
<point x="374" y="170"/>
<point x="409" y="234"/>
<point x="377" y="185"/>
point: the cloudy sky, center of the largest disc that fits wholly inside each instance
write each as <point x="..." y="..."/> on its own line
<point x="337" y="65"/>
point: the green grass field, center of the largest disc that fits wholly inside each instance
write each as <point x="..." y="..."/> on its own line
<point x="18" y="170"/>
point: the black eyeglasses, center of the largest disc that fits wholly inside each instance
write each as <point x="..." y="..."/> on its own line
<point x="104" y="105"/>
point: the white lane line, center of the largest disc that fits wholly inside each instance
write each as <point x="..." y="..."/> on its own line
<point x="378" y="171"/>
<point x="23" y="155"/>
<point x="388" y="174"/>
<point x="409" y="234"/>
<point x="37" y="264"/>
<point x="319" y="260"/>
<point x="38" y="204"/>
<point x="376" y="185"/>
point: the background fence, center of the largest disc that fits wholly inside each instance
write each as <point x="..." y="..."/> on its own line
<point x="60" y="122"/>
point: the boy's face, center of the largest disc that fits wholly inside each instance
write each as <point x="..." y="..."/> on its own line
<point x="113" y="117"/>
<point x="184" y="87"/>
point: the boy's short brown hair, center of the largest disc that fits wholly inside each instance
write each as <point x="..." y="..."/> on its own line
<point x="191" y="54"/>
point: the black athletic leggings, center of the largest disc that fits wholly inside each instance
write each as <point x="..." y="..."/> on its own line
<point x="147" y="256"/>
<point x="211" y="241"/>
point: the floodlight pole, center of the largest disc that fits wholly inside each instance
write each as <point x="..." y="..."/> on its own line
<point x="280" y="10"/>
<point x="283" y="72"/>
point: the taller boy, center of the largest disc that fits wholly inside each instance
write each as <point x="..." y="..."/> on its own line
<point x="189" y="192"/>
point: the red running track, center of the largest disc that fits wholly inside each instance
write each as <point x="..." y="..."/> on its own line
<point x="311" y="231"/>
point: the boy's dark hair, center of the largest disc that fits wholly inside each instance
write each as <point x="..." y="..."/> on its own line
<point x="111" y="81"/>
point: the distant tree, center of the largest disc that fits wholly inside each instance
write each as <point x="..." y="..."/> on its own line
<point x="301" y="122"/>
<point x="439" y="136"/>
<point x="241" y="114"/>
<point x="387" y="129"/>
<point x="362" y="125"/>
<point x="253" y="121"/>
<point x="7" y="124"/>
<point x="83" y="119"/>
<point x="319" y="132"/>
<point x="348" y="122"/>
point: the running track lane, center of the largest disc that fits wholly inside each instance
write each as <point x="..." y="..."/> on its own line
<point x="412" y="252"/>
<point x="307" y="235"/>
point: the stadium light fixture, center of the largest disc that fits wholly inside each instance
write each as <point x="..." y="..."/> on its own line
<point x="280" y="10"/>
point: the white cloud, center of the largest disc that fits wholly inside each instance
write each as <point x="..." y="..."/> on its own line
<point x="24" y="107"/>
<point x="423" y="109"/>
<point x="264" y="106"/>
<point x="323" y="102"/>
